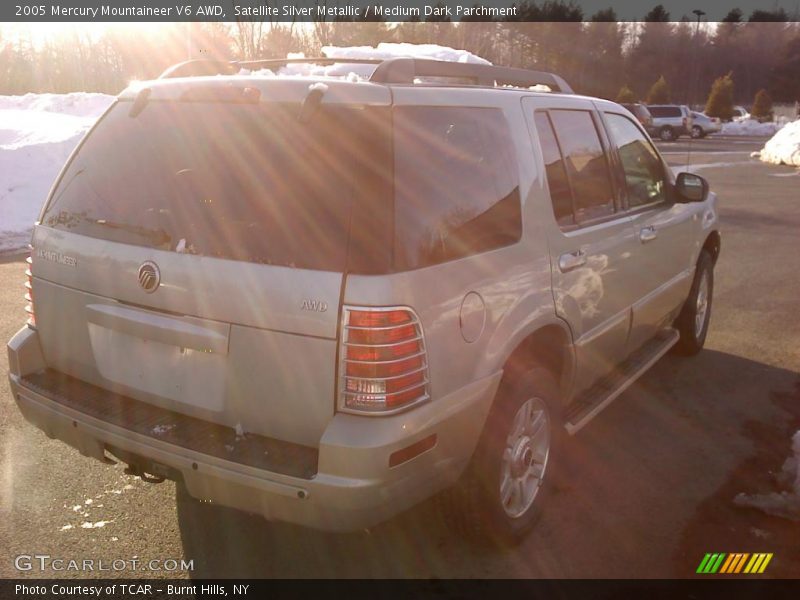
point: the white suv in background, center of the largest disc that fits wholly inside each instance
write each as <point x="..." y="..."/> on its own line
<point x="670" y="121"/>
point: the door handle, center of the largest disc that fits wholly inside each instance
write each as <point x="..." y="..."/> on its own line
<point x="647" y="234"/>
<point x="571" y="260"/>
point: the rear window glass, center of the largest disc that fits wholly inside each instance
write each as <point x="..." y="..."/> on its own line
<point x="456" y="184"/>
<point x="246" y="182"/>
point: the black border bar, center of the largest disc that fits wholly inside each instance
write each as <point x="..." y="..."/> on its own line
<point x="32" y="11"/>
<point x="552" y="589"/>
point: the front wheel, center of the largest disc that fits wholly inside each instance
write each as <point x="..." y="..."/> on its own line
<point x="692" y="322"/>
<point x="501" y="495"/>
<point x="697" y="132"/>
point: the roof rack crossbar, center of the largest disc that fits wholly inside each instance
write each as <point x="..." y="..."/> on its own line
<point x="202" y="66"/>
<point x="406" y="70"/>
<point x="320" y="60"/>
<point x="394" y="70"/>
<point x="199" y="67"/>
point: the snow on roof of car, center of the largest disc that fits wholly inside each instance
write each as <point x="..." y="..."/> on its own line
<point x="362" y="72"/>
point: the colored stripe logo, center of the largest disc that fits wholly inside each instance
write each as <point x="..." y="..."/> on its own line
<point x="734" y="563"/>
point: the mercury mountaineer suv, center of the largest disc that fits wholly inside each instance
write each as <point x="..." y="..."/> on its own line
<point x="326" y="303"/>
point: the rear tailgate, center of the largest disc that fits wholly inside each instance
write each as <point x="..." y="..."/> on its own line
<point x="254" y="361"/>
<point x="191" y="257"/>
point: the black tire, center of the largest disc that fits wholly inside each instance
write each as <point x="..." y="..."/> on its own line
<point x="697" y="132"/>
<point x="666" y="134"/>
<point x="693" y="335"/>
<point x="474" y="507"/>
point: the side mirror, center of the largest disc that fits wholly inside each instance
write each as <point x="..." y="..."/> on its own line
<point x="691" y="187"/>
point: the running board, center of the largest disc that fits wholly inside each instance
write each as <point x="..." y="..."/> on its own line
<point x="587" y="406"/>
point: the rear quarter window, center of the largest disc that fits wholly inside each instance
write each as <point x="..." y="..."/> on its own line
<point x="456" y="184"/>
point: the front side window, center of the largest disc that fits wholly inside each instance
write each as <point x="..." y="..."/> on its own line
<point x="456" y="184"/>
<point x="585" y="162"/>
<point x="644" y="172"/>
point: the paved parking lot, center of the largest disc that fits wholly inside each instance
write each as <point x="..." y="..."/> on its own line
<point x="650" y="483"/>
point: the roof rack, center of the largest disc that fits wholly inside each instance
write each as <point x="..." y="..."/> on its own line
<point x="399" y="70"/>
<point x="406" y="70"/>
<point x="201" y="66"/>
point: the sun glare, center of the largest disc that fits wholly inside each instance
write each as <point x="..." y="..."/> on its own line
<point x="42" y="32"/>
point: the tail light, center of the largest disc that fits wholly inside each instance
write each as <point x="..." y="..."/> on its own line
<point x="29" y="291"/>
<point x="685" y="121"/>
<point x="383" y="364"/>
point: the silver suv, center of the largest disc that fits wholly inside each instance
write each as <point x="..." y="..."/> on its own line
<point x="326" y="303"/>
<point x="670" y="121"/>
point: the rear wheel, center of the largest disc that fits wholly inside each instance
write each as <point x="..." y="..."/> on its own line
<point x="692" y="322"/>
<point x="667" y="134"/>
<point x="501" y="496"/>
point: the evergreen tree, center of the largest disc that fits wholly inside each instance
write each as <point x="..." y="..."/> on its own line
<point x="658" y="14"/>
<point x="626" y="95"/>
<point x="659" y="93"/>
<point x="762" y="106"/>
<point x="733" y="16"/>
<point x="720" y="100"/>
<point x="606" y="15"/>
<point x="768" y="16"/>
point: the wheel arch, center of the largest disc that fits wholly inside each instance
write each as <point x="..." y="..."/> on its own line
<point x="548" y="345"/>
<point x="713" y="245"/>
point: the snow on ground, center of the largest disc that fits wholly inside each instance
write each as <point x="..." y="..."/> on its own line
<point x="382" y="51"/>
<point x="690" y="168"/>
<point x="783" y="147"/>
<point x="784" y="504"/>
<point x="752" y="127"/>
<point x="37" y="134"/>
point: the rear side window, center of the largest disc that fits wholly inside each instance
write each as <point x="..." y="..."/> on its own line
<point x="245" y="182"/>
<point x="586" y="165"/>
<point x="560" y="192"/>
<point x="456" y="184"/>
<point x="663" y="112"/>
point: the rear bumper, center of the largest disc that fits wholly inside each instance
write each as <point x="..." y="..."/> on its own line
<point x="353" y="488"/>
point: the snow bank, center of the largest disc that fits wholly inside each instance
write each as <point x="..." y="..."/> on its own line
<point x="751" y="127"/>
<point x="783" y="147"/>
<point x="37" y="134"/>
<point x="382" y="51"/>
<point x="781" y="504"/>
<point x="77" y="104"/>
